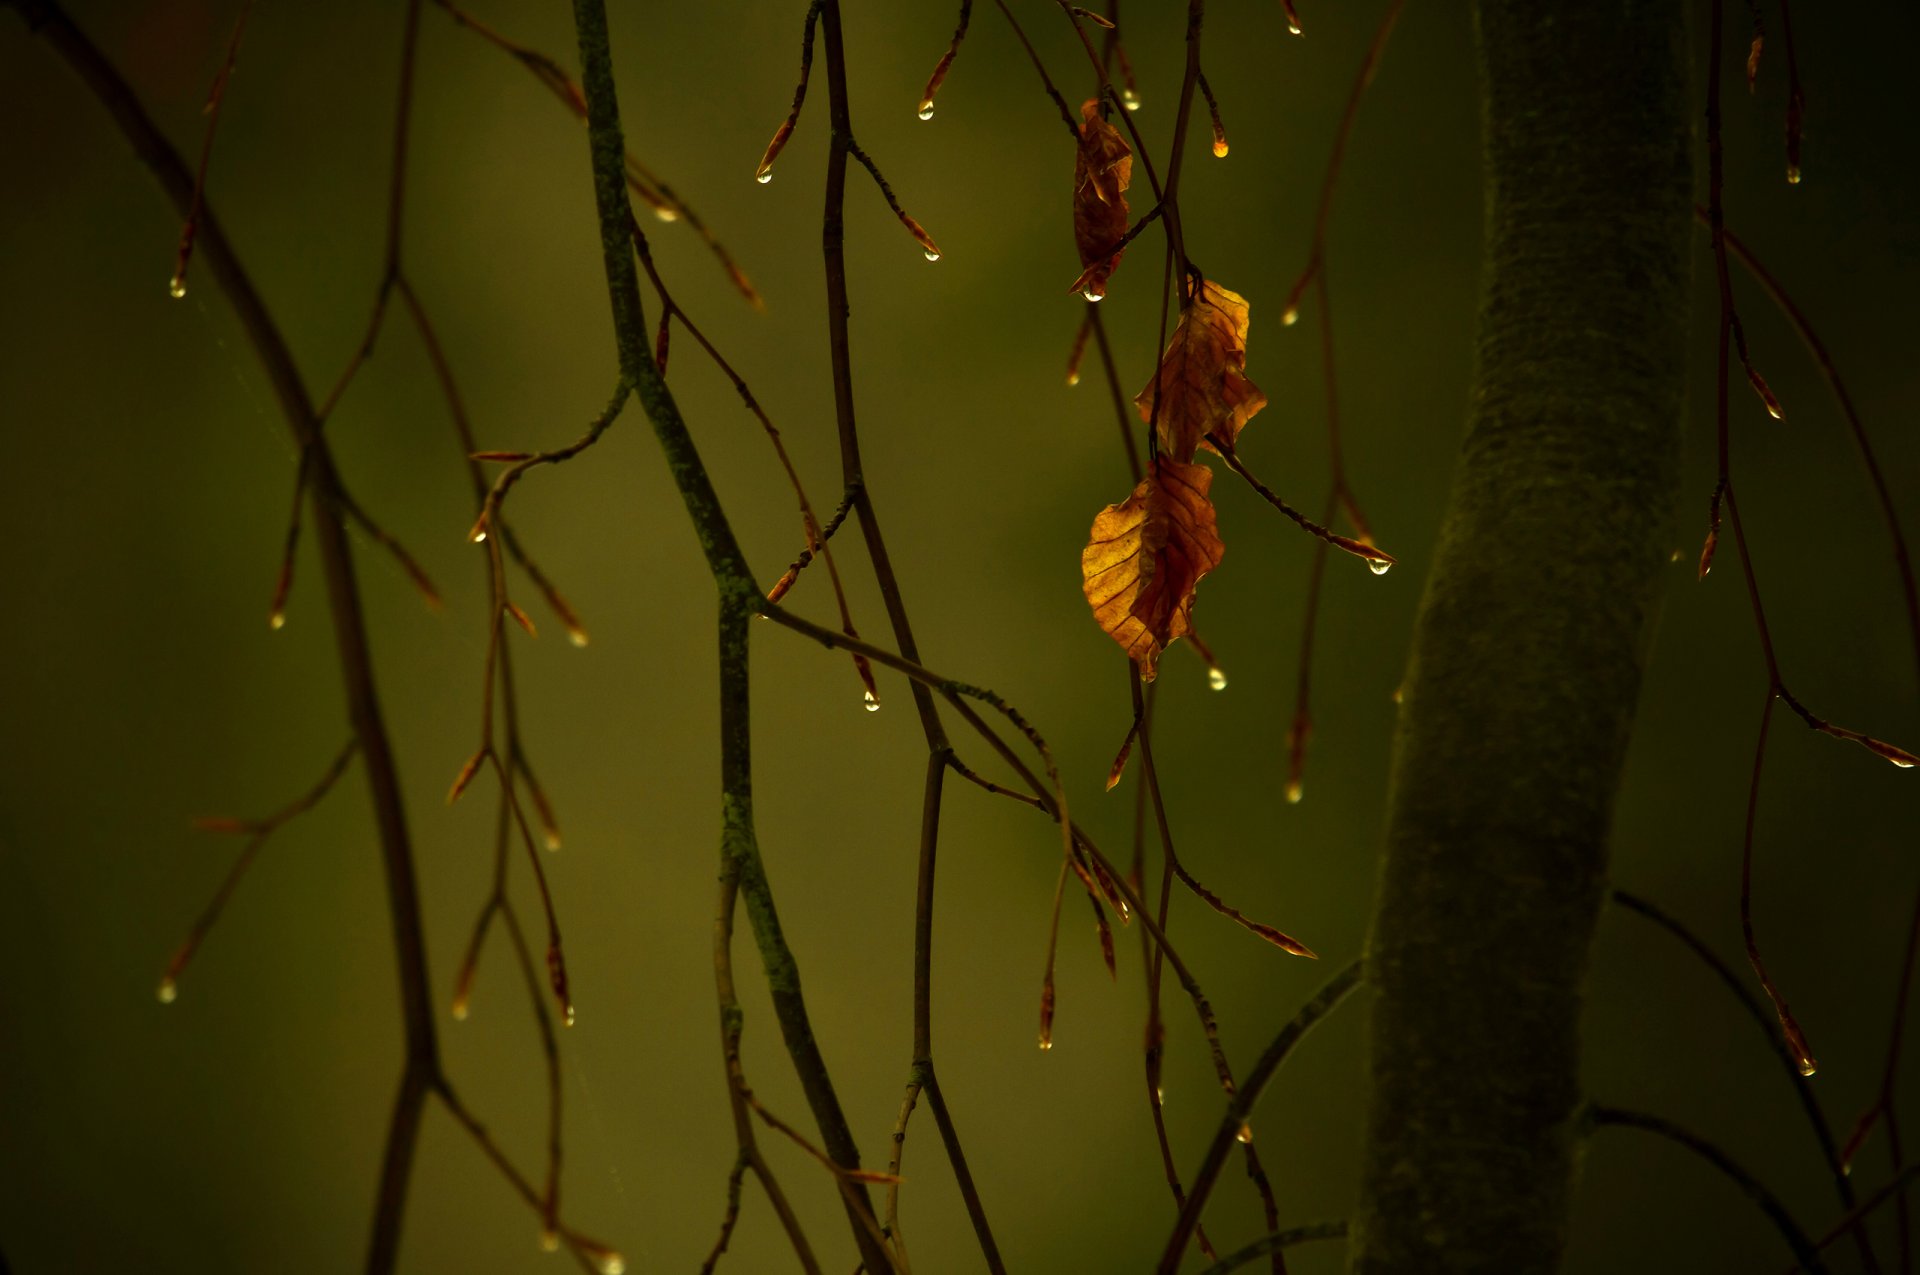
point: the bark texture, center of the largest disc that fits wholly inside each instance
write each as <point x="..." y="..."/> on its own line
<point x="1528" y="652"/>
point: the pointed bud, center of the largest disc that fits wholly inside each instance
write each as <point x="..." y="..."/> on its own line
<point x="465" y="777"/>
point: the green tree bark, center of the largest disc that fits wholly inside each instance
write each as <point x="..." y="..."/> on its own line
<point x="1528" y="652"/>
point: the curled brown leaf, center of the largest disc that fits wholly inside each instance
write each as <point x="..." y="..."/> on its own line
<point x="1201" y="385"/>
<point x="1146" y="556"/>
<point x="1102" y="171"/>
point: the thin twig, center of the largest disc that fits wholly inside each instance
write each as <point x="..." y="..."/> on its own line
<point x="1804" y="1249"/>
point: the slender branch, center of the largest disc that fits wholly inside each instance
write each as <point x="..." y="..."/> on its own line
<point x="1802" y="1087"/>
<point x="739" y="598"/>
<point x="216" y="99"/>
<point x="47" y="20"/>
<point x="1804" y="1249"/>
<point x="257" y="832"/>
<point x="1275" y="1242"/>
<point x="1240" y="1108"/>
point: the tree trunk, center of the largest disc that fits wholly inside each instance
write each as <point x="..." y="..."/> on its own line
<point x="1527" y="656"/>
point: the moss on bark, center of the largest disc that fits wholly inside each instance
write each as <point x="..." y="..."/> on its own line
<point x="1528" y="652"/>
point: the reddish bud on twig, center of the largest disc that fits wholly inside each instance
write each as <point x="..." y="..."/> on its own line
<point x="557" y="975"/>
<point x="463" y="985"/>
<point x="465" y="777"/>
<point x="878" y="1177"/>
<point x="764" y="173"/>
<point x="1766" y="395"/>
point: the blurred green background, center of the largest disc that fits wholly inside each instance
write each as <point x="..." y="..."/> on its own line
<point x="239" y="1129"/>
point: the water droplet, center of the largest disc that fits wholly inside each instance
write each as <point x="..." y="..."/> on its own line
<point x="577" y="636"/>
<point x="1807" y="1066"/>
<point x="460" y="1010"/>
<point x="1379" y="566"/>
<point x="665" y="213"/>
<point x="552" y="839"/>
<point x="1399" y="694"/>
<point x="176" y="287"/>
<point x="764" y="176"/>
<point x="1073" y="377"/>
<point x="1291" y="317"/>
<point x="168" y="991"/>
<point x="926" y="109"/>
<point x="1245" y="1135"/>
<point x="549" y="1240"/>
<point x="1294" y="792"/>
<point x="1216" y="679"/>
<point x="1159" y="1096"/>
<point x="611" y="1263"/>
<point x="1130" y="99"/>
<point x="1773" y="410"/>
<point x="1046" y="1043"/>
<point x="1293" y="28"/>
<point x="933" y="254"/>
<point x="871" y="701"/>
<point x="1091" y="295"/>
<point x="1793" y="174"/>
<point x="278" y="620"/>
<point x="1675" y="557"/>
<point x="1219" y="148"/>
<point x="479" y="537"/>
<point x="1901" y="762"/>
<point x="567" y="1018"/>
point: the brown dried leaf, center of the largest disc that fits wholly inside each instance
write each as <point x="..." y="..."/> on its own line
<point x="1102" y="171"/>
<point x="1146" y="556"/>
<point x="1202" y="382"/>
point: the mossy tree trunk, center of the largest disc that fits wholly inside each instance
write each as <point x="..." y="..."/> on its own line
<point x="1528" y="652"/>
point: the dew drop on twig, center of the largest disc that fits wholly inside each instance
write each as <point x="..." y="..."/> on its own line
<point x="871" y="701"/>
<point x="1245" y="1136"/>
<point x="168" y="991"/>
<point x="1216" y="678"/>
<point x="764" y="176"/>
<point x="926" y="109"/>
<point x="176" y="287"/>
<point x="1379" y="566"/>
